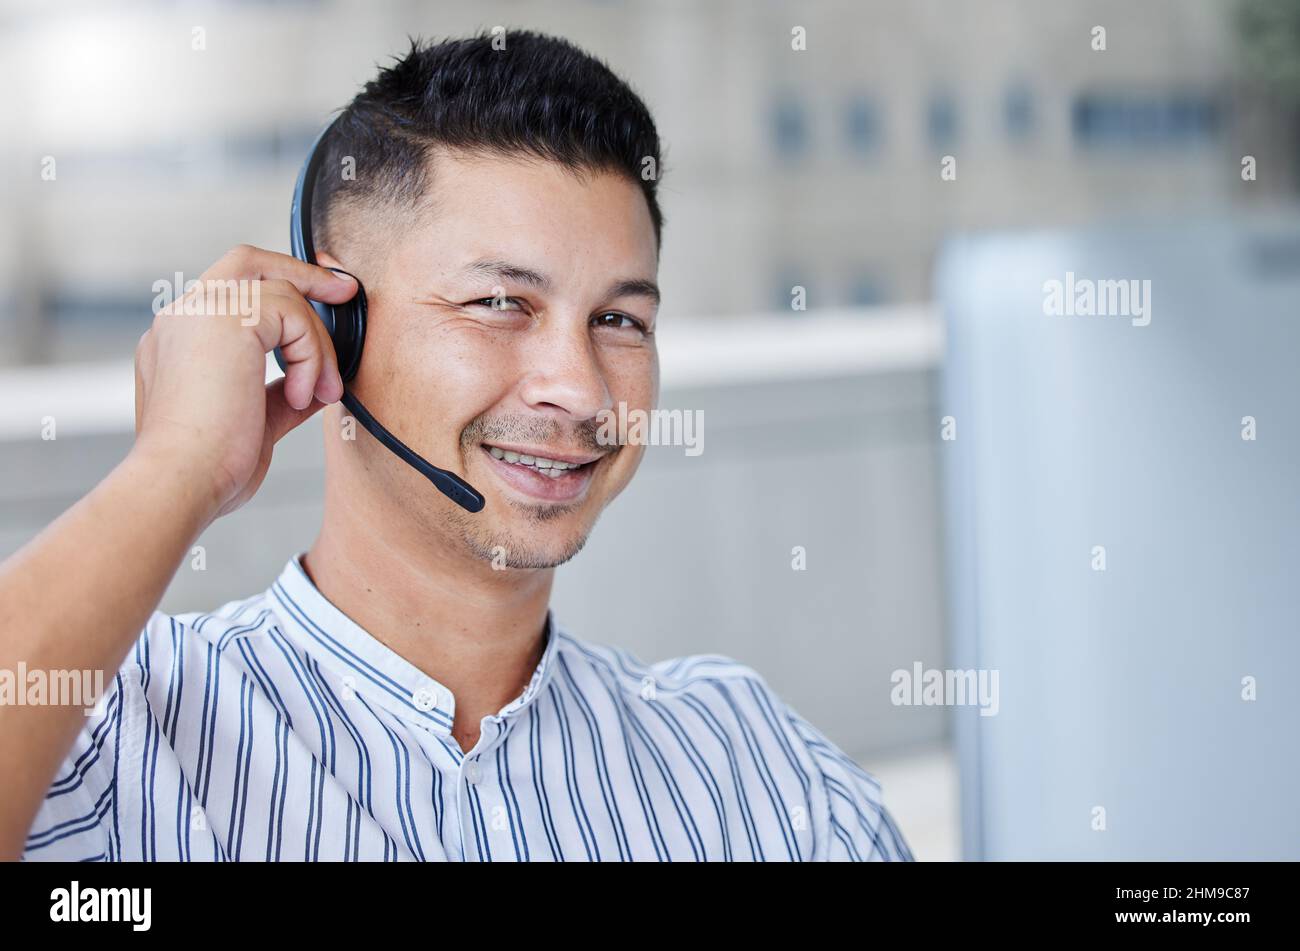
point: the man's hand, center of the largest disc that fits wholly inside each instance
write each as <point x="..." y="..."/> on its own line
<point x="77" y="596"/>
<point x="200" y="395"/>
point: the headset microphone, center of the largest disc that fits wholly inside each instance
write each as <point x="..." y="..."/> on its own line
<point x="346" y="324"/>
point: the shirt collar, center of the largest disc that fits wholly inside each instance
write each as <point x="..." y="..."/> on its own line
<point x="373" y="670"/>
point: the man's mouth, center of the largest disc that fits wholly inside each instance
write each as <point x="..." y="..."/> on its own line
<point x="553" y="477"/>
<point x="554" y="468"/>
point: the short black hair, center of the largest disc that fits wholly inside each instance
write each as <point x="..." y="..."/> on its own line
<point x="540" y="95"/>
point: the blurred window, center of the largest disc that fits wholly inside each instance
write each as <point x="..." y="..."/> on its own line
<point x="867" y="290"/>
<point x="862" y="127"/>
<point x="1018" y="112"/>
<point x="789" y="128"/>
<point x="263" y="148"/>
<point x="941" y="121"/>
<point x="1144" y="121"/>
<point x="102" y="308"/>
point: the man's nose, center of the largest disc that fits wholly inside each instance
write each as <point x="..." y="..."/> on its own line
<point x="564" y="373"/>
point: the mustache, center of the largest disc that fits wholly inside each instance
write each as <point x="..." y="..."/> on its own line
<point x="518" y="428"/>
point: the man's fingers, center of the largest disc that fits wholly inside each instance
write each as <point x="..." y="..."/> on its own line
<point x="329" y="385"/>
<point x="311" y="368"/>
<point x="245" y="262"/>
<point x="303" y="358"/>
<point x="281" y="417"/>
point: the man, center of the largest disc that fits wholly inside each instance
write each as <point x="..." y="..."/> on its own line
<point x="395" y="694"/>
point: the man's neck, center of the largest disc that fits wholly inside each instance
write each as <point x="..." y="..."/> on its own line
<point x="477" y="632"/>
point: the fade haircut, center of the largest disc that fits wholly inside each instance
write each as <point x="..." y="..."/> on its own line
<point x="539" y="97"/>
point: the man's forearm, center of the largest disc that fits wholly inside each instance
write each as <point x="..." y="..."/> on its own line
<point x="76" y="598"/>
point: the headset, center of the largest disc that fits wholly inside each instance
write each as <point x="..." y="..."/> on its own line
<point x="346" y="324"/>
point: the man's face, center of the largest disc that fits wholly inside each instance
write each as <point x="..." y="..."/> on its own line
<point x="503" y="322"/>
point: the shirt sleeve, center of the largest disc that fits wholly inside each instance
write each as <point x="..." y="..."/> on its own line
<point x="75" y="821"/>
<point x="859" y="827"/>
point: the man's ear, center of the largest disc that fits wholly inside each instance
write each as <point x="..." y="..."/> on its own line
<point x="325" y="259"/>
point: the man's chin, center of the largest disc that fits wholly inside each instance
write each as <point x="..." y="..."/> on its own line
<point x="533" y="547"/>
<point x="504" y="557"/>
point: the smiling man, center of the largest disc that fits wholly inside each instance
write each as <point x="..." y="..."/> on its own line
<point x="402" y="690"/>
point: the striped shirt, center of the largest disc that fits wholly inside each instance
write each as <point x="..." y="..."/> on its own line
<point x="277" y="729"/>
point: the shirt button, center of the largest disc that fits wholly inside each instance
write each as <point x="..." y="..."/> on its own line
<point x="425" y="698"/>
<point x="473" y="772"/>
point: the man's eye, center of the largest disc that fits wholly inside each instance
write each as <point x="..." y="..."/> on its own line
<point x="618" y="322"/>
<point x="499" y="303"/>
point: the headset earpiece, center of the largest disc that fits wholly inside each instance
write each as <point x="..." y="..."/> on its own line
<point x="346" y="324"/>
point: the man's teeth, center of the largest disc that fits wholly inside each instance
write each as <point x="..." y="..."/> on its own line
<point x="547" y="467"/>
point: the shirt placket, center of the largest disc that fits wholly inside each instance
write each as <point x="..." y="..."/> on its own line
<point x="484" y="826"/>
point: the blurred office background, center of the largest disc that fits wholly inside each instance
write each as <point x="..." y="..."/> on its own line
<point x="174" y="130"/>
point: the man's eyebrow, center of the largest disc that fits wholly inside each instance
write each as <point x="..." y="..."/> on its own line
<point x="505" y="271"/>
<point x="635" y="288"/>
<point x="509" y="272"/>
